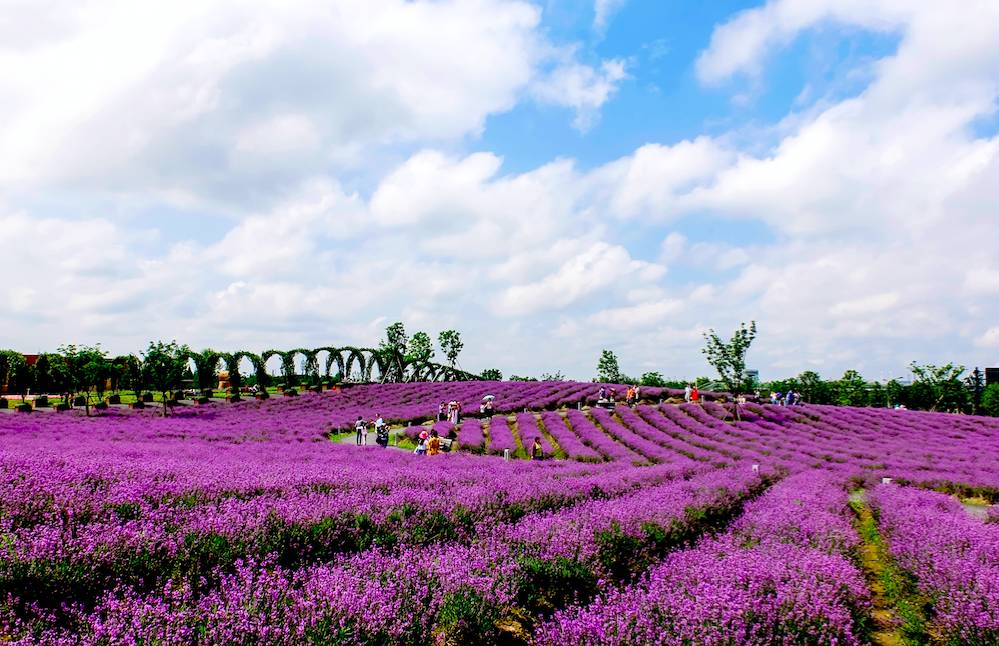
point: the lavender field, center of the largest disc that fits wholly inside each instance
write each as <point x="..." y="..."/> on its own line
<point x="666" y="523"/>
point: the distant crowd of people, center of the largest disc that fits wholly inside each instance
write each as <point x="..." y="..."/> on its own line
<point x="790" y="398"/>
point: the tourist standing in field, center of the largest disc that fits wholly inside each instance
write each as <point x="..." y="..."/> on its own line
<point x="629" y="396"/>
<point x="440" y="412"/>
<point x="695" y="395"/>
<point x="687" y="392"/>
<point x="379" y="424"/>
<point x="434" y="445"/>
<point x="361" y="427"/>
<point x="421" y="444"/>
<point x="537" y="453"/>
<point x="638" y="394"/>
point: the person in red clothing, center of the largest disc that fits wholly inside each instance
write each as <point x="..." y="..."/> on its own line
<point x="695" y="395"/>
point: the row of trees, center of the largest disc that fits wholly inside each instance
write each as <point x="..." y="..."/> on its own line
<point x="934" y="388"/>
<point x="87" y="373"/>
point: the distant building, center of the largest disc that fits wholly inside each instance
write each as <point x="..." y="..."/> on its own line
<point x="991" y="376"/>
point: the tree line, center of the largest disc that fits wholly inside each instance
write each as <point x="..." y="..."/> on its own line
<point x="83" y="375"/>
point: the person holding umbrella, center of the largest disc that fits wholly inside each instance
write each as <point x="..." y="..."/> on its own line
<point x="487" y="405"/>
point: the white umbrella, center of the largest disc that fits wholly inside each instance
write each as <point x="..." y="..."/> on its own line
<point x="488" y="398"/>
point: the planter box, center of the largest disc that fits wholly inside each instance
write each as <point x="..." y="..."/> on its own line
<point x="291" y="392"/>
<point x="100" y="406"/>
<point x="4" y="403"/>
<point x="114" y="399"/>
<point x="147" y="397"/>
<point x="138" y="404"/>
<point x="233" y="399"/>
<point x="41" y="402"/>
<point x="80" y="401"/>
<point x="262" y="395"/>
<point x="62" y="407"/>
<point x="23" y="408"/>
<point x="203" y="400"/>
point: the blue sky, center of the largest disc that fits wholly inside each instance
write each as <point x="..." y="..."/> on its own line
<point x="552" y="178"/>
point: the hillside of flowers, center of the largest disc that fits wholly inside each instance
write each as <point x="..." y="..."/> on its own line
<point x="662" y="523"/>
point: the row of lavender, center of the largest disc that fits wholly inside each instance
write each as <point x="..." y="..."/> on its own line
<point x="126" y="571"/>
<point x="943" y="451"/>
<point x="782" y="574"/>
<point x="953" y="556"/>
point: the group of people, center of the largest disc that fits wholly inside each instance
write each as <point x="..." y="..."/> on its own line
<point x="609" y="395"/>
<point x="432" y="443"/>
<point x="381" y="431"/>
<point x="790" y="398"/>
<point x="691" y="393"/>
<point x="450" y="411"/>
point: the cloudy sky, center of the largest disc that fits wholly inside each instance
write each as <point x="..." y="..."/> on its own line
<point x="550" y="177"/>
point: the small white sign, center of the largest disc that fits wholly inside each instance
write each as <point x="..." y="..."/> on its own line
<point x="885" y="480"/>
<point x="756" y="468"/>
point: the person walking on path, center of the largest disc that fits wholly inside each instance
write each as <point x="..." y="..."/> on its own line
<point x="379" y="424"/>
<point x="361" y="427"/>
<point x="638" y="394"/>
<point x="687" y="392"/>
<point x="382" y="436"/>
<point x="434" y="445"/>
<point x="629" y="396"/>
<point x="695" y="395"/>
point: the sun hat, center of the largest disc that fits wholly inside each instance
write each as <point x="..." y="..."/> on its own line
<point x="423" y="435"/>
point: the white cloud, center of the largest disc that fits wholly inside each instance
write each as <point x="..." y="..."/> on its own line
<point x="990" y="339"/>
<point x="603" y="11"/>
<point x="583" y="88"/>
<point x="596" y="268"/>
<point x="194" y="97"/>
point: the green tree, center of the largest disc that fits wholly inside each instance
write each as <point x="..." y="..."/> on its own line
<point x="288" y="369"/>
<point x="206" y="364"/>
<point x="88" y="369"/>
<point x="492" y="374"/>
<point x="20" y="376"/>
<point x="941" y="384"/>
<point x="976" y="388"/>
<point x="163" y="367"/>
<point x="851" y="389"/>
<point x="9" y="360"/>
<point x="420" y="348"/>
<point x="608" y="370"/>
<point x="894" y="392"/>
<point x="813" y="389"/>
<point x="990" y="400"/>
<point x="451" y="345"/>
<point x="729" y="359"/>
<point x="654" y="379"/>
<point x="552" y="376"/>
<point x="396" y="340"/>
<point x="131" y="374"/>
